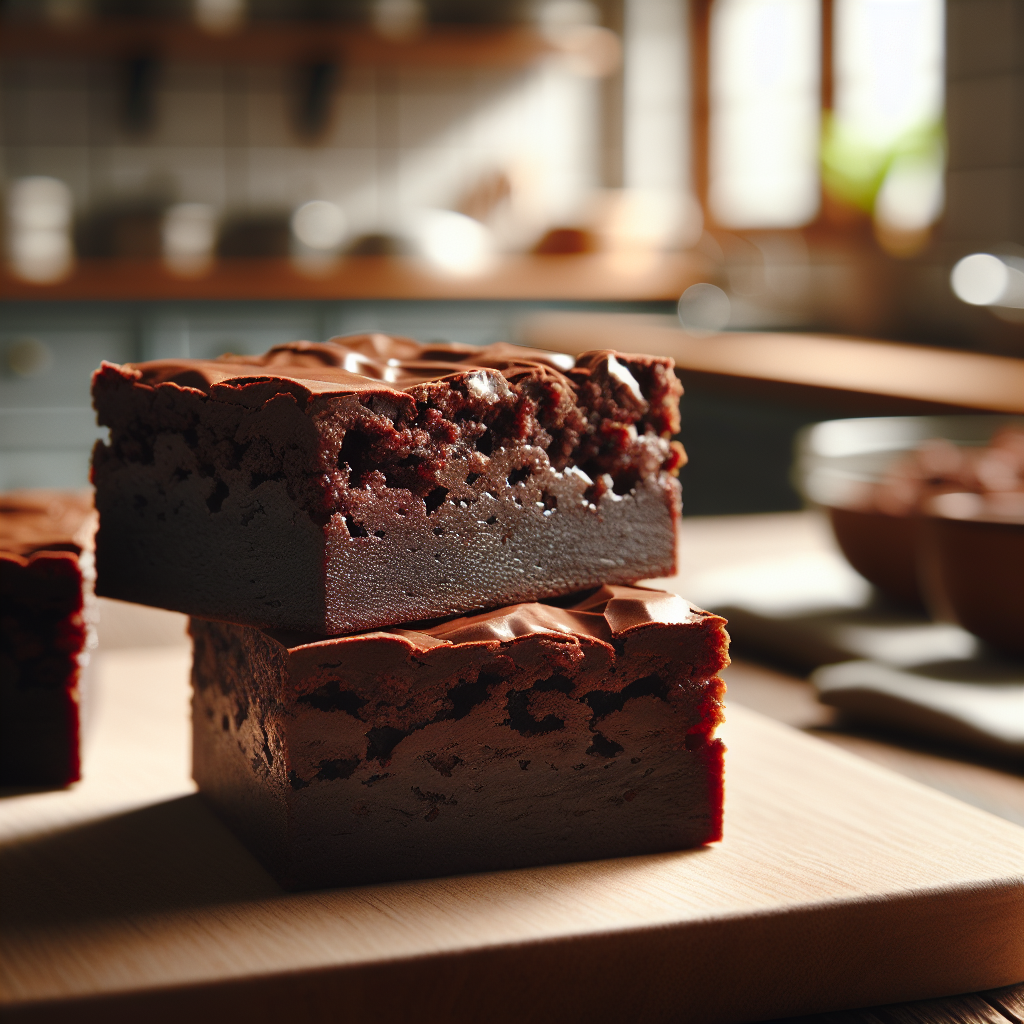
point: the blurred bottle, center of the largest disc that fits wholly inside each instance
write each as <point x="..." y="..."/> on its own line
<point x="585" y="48"/>
<point x="39" y="214"/>
<point x="319" y="225"/>
<point x="219" y="16"/>
<point x="189" y="237"/>
<point x="67" y="14"/>
<point x="398" y="20"/>
<point x="452" y="242"/>
<point x="318" y="229"/>
<point x="646" y="219"/>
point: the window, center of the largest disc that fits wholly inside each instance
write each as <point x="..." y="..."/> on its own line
<point x="768" y="149"/>
<point x="765" y="112"/>
<point x="883" y="150"/>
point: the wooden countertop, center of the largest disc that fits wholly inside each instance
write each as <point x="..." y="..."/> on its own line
<point x="277" y="41"/>
<point x="867" y="375"/>
<point x="588" y="277"/>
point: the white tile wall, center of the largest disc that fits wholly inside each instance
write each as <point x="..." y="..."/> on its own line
<point x="983" y="204"/>
<point x="273" y="177"/>
<point x="983" y="37"/>
<point x="72" y="164"/>
<point x="984" y="109"/>
<point x="51" y="116"/>
<point x="979" y="111"/>
<point x="354" y="124"/>
<point x="192" y="76"/>
<point x="397" y="138"/>
<point x="192" y="112"/>
<point x="265" y="104"/>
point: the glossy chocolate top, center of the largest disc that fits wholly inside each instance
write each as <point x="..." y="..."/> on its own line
<point x="368" y="362"/>
<point x="39" y="520"/>
<point x="605" y="615"/>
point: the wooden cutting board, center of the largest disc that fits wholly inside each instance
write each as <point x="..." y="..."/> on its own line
<point x="839" y="884"/>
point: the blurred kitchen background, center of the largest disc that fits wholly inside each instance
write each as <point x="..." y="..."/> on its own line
<point x="192" y="178"/>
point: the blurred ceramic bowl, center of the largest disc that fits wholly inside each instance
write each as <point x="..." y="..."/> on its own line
<point x="882" y="549"/>
<point x="971" y="561"/>
<point x="839" y="461"/>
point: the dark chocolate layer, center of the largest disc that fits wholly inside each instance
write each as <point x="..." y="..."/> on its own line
<point x="527" y="735"/>
<point x="45" y="537"/>
<point x="370" y="481"/>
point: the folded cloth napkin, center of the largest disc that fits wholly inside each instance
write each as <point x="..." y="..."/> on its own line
<point x="876" y="662"/>
<point x="930" y="700"/>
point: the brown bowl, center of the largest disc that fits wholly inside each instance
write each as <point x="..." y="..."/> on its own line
<point x="839" y="461"/>
<point x="972" y="568"/>
<point x="882" y="549"/>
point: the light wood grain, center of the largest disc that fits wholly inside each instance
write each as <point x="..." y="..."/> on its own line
<point x="982" y="1008"/>
<point x="824" y="365"/>
<point x="1008" y="1001"/>
<point x="838" y="884"/>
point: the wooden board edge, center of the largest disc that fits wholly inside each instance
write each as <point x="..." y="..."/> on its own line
<point x="811" y="959"/>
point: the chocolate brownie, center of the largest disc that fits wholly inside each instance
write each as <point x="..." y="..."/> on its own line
<point x="45" y="575"/>
<point x="369" y="480"/>
<point x="527" y="735"/>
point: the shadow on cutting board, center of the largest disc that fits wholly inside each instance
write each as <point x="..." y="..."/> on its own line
<point x="168" y="856"/>
<point x="175" y="856"/>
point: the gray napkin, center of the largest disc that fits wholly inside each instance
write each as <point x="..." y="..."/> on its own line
<point x="975" y="703"/>
<point x="875" y="662"/>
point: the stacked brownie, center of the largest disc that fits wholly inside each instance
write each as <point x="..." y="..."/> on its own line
<point x="325" y="511"/>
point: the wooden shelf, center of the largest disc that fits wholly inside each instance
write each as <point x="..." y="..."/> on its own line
<point x="277" y="42"/>
<point x="595" y="277"/>
<point x="856" y="376"/>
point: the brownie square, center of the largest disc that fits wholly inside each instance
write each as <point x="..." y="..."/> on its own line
<point x="45" y="579"/>
<point x="369" y="481"/>
<point x="528" y="735"/>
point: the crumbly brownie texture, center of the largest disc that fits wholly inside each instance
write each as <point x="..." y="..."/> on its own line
<point x="527" y="735"/>
<point x="369" y="481"/>
<point x="45" y="569"/>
